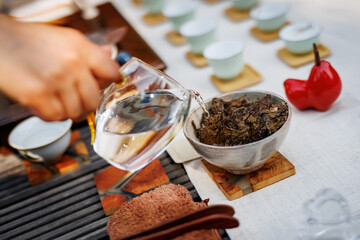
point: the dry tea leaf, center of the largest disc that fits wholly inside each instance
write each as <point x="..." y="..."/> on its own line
<point x="241" y="121"/>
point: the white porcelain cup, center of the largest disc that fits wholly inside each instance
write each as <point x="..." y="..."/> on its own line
<point x="180" y="12"/>
<point x="199" y="34"/>
<point x="270" y="16"/>
<point x="244" y="5"/>
<point x="226" y="58"/>
<point x="41" y="141"/>
<point x="154" y="6"/>
<point x="299" y="37"/>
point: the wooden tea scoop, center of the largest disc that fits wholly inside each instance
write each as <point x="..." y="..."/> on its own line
<point x="216" y="216"/>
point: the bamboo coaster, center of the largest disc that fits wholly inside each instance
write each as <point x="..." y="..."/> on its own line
<point x="247" y="78"/>
<point x="176" y="38"/>
<point x="152" y="19"/>
<point x="137" y="3"/>
<point x="237" y="15"/>
<point x="266" y="36"/>
<point x="295" y="60"/>
<point x="234" y="186"/>
<point x="197" y="60"/>
<point x="212" y="1"/>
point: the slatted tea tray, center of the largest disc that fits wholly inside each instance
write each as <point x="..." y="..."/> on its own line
<point x="67" y="206"/>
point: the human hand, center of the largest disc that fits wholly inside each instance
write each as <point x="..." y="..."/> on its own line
<point x="56" y="72"/>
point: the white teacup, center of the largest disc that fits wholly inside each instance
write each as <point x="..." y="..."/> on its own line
<point x="244" y="5"/>
<point x="270" y="17"/>
<point x="199" y="34"/>
<point x="180" y="12"/>
<point x="226" y="58"/>
<point x="41" y="141"/>
<point x="299" y="37"/>
<point x="154" y="6"/>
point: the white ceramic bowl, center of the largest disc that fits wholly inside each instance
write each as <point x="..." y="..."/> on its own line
<point x="299" y="37"/>
<point x="225" y="58"/>
<point x="240" y="159"/>
<point x="270" y="16"/>
<point x="199" y="33"/>
<point x="41" y="141"/>
<point x="180" y="12"/>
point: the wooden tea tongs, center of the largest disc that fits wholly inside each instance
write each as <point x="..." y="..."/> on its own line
<point x="215" y="216"/>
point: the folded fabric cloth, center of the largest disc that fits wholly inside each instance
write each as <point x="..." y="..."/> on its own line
<point x="163" y="204"/>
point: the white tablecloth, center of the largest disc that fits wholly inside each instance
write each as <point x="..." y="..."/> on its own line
<point x="323" y="146"/>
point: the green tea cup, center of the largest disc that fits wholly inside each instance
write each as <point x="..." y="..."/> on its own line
<point x="270" y="17"/>
<point x="179" y="13"/>
<point x="299" y="37"/>
<point x="225" y="58"/>
<point x="199" y="34"/>
<point x="154" y="7"/>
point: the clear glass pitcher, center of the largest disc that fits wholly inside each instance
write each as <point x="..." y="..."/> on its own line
<point x="139" y="117"/>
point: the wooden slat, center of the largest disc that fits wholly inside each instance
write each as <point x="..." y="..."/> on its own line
<point x="60" y="223"/>
<point x="45" y="199"/>
<point x="88" y="231"/>
<point x="14" y="188"/>
<point x="33" y="216"/>
<point x="96" y="235"/>
<point x="189" y="186"/>
<point x="12" y="181"/>
<point x="176" y="172"/>
<point x="76" y="221"/>
<point x="57" y="181"/>
<point x="46" y="219"/>
<point x="165" y="159"/>
<point x="181" y="180"/>
<point x="194" y="194"/>
<point x="169" y="169"/>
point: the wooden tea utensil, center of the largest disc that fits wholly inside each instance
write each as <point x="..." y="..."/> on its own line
<point x="216" y="216"/>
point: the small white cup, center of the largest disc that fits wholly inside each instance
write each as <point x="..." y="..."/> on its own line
<point x="41" y="141"/>
<point x="299" y="37"/>
<point x="226" y="58"/>
<point x="199" y="34"/>
<point x="244" y="5"/>
<point x="180" y="12"/>
<point x="270" y="17"/>
<point x="154" y="7"/>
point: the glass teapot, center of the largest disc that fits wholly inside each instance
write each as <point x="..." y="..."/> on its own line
<point x="139" y="117"/>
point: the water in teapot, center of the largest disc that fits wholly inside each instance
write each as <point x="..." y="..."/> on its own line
<point x="135" y="130"/>
<point x="139" y="117"/>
